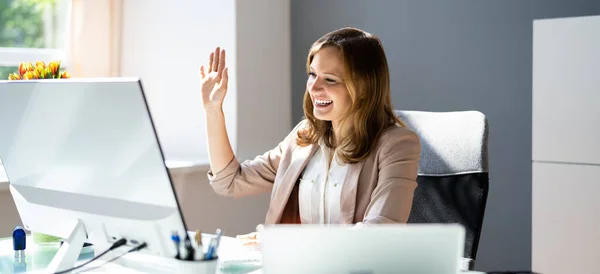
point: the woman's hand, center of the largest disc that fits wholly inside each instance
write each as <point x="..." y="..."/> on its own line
<point x="251" y="240"/>
<point x="214" y="80"/>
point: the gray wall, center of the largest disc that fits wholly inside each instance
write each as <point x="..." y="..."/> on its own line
<point x="456" y="55"/>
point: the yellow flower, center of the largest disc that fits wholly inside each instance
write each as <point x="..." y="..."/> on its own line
<point x="25" y="67"/>
<point x="41" y="71"/>
<point x="29" y="75"/>
<point x="54" y="65"/>
<point x="14" y="76"/>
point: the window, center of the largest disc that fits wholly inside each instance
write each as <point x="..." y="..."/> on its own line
<point x="30" y="31"/>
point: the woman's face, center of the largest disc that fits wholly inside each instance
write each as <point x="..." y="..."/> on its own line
<point x="328" y="92"/>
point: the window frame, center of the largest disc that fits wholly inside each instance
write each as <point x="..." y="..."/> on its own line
<point x="12" y="57"/>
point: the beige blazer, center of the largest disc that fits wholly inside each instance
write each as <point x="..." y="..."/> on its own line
<point x="377" y="190"/>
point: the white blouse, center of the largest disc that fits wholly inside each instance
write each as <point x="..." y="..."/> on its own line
<point x="320" y="188"/>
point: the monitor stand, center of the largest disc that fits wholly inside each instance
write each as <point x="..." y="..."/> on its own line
<point x="67" y="255"/>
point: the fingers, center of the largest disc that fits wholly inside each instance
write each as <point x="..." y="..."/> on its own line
<point x="210" y="61"/>
<point x="247" y="236"/>
<point x="251" y="243"/>
<point x="215" y="63"/>
<point x="225" y="78"/>
<point x="202" y="73"/>
<point x="221" y="64"/>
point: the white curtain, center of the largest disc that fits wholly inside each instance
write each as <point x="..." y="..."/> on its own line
<point x="94" y="38"/>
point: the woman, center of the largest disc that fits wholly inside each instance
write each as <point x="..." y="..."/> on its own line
<point x="351" y="161"/>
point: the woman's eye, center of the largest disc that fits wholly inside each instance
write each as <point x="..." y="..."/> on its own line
<point x="331" y="81"/>
<point x="311" y="74"/>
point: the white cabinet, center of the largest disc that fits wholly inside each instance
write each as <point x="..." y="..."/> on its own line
<point x="566" y="145"/>
<point x="565" y="218"/>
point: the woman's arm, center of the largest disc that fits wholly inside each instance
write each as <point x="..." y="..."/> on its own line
<point x="220" y="152"/>
<point x="391" y="200"/>
<point x="252" y="176"/>
<point x="213" y="84"/>
<point x="230" y="178"/>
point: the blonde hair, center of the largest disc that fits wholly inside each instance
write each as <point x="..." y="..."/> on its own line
<point x="367" y="79"/>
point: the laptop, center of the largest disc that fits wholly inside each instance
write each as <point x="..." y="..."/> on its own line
<point x="393" y="248"/>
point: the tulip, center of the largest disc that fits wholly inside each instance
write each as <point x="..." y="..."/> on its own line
<point x="65" y="75"/>
<point x="28" y="75"/>
<point x="31" y="75"/>
<point x="41" y="71"/>
<point x="55" y="66"/>
<point x="40" y="63"/>
<point x="25" y="67"/>
<point x="14" y="76"/>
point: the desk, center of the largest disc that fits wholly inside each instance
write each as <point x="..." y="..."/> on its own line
<point x="37" y="258"/>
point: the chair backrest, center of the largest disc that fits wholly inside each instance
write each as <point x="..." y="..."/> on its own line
<point x="453" y="172"/>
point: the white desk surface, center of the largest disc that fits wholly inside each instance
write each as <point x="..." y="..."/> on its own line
<point x="231" y="252"/>
<point x="38" y="258"/>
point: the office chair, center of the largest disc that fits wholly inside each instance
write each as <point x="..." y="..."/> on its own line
<point x="453" y="172"/>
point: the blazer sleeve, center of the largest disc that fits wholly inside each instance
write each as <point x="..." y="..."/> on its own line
<point x="392" y="198"/>
<point x="252" y="176"/>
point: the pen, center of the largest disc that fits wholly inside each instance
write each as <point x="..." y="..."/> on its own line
<point x="176" y="240"/>
<point x="188" y="248"/>
<point x="213" y="246"/>
<point x="211" y="249"/>
<point x="219" y="234"/>
<point x="199" y="253"/>
<point x="198" y="238"/>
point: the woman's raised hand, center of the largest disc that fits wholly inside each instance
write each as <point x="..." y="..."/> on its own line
<point x="214" y="78"/>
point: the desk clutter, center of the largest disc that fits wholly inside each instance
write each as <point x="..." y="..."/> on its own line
<point x="194" y="251"/>
<point x="198" y="256"/>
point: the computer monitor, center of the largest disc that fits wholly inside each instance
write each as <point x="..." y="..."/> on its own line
<point x="84" y="163"/>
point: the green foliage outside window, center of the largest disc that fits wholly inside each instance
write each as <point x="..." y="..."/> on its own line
<point x="22" y="26"/>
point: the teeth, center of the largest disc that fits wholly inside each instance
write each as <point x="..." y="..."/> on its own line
<point x="323" y="102"/>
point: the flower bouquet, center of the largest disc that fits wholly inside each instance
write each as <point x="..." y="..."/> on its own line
<point x="27" y="71"/>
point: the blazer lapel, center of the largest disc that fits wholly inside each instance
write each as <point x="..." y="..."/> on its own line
<point x="281" y="194"/>
<point x="348" y="195"/>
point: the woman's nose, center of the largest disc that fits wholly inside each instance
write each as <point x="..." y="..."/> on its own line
<point x="316" y="85"/>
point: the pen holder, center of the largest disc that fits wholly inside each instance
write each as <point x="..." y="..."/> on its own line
<point x="198" y="267"/>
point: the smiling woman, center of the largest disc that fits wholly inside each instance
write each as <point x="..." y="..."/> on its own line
<point x="351" y="161"/>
